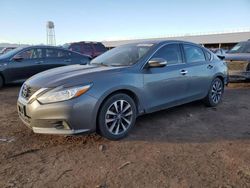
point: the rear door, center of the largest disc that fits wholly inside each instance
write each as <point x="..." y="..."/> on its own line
<point x="55" y="58"/>
<point x="199" y="71"/>
<point x="30" y="63"/>
<point x="166" y="86"/>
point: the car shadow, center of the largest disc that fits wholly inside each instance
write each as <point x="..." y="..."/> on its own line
<point x="193" y="122"/>
<point x="10" y="86"/>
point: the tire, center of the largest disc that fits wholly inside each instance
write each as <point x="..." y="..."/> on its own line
<point x="1" y="82"/>
<point x="248" y="67"/>
<point x="117" y="116"/>
<point x="215" y="93"/>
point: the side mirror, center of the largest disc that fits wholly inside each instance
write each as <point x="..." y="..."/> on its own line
<point x="157" y="62"/>
<point x="17" y="58"/>
<point x="222" y="57"/>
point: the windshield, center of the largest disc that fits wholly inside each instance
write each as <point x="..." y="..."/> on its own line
<point x="66" y="45"/>
<point x="242" y="47"/>
<point x="125" y="55"/>
<point x="11" y="53"/>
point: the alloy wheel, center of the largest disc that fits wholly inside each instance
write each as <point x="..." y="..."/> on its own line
<point x="216" y="92"/>
<point x="118" y="117"/>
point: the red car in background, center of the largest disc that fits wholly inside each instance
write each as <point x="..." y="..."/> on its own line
<point x="92" y="49"/>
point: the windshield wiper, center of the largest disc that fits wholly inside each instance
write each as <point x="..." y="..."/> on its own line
<point x="118" y="65"/>
<point x="100" y="64"/>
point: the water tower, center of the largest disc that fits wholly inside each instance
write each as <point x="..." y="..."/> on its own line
<point x="51" y="36"/>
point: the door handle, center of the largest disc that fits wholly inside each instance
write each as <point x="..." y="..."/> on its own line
<point x="67" y="60"/>
<point x="38" y="62"/>
<point x="183" y="72"/>
<point x="210" y="66"/>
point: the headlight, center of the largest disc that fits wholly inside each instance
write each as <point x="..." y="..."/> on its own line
<point x="62" y="94"/>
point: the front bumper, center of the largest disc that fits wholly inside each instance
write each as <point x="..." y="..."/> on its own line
<point x="238" y="70"/>
<point x="239" y="75"/>
<point x="68" y="117"/>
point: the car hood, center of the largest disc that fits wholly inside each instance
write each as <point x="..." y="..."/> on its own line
<point x="2" y="58"/>
<point x="238" y="57"/>
<point x="72" y="75"/>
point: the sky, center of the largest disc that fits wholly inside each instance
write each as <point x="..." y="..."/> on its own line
<point x="24" y="21"/>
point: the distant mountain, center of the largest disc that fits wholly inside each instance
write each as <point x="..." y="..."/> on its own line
<point x="12" y="45"/>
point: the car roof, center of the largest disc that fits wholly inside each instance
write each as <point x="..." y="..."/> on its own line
<point x="155" y="42"/>
<point x="43" y="46"/>
<point x="84" y="42"/>
<point x="53" y="47"/>
<point x="248" y="41"/>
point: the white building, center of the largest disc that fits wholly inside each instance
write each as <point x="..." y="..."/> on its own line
<point x="210" y="40"/>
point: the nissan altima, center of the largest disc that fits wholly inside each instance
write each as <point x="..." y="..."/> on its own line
<point x="108" y="94"/>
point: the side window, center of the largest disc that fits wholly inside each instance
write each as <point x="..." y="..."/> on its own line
<point x="63" y="53"/>
<point x="49" y="53"/>
<point x="171" y="53"/>
<point x="55" y="53"/>
<point x="31" y="54"/>
<point x="193" y="54"/>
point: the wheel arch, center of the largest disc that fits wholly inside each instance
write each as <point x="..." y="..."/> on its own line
<point x="2" y="76"/>
<point x="222" y="77"/>
<point x="126" y="91"/>
<point x="131" y="93"/>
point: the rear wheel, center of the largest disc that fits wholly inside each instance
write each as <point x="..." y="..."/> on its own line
<point x="117" y="116"/>
<point x="215" y="93"/>
<point x="248" y="69"/>
<point x="1" y="82"/>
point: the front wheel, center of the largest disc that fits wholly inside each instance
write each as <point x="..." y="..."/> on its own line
<point x="1" y="82"/>
<point x="117" y="116"/>
<point x="215" y="93"/>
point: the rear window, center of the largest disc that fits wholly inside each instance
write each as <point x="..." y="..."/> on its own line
<point x="87" y="48"/>
<point x="208" y="55"/>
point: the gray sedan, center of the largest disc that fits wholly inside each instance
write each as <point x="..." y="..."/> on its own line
<point x="108" y="95"/>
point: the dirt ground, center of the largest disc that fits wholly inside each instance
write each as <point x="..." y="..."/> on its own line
<point x="186" y="146"/>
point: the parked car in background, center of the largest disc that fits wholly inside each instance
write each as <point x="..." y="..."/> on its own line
<point x="218" y="51"/>
<point x="238" y="59"/>
<point x="7" y="49"/>
<point x="21" y="63"/>
<point x="92" y="49"/>
<point x="107" y="95"/>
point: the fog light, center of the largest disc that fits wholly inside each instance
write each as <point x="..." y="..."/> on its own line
<point x="61" y="125"/>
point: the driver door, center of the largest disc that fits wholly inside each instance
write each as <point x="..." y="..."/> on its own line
<point x="166" y="86"/>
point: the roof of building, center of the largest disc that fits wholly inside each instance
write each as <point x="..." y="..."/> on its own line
<point x="215" y="38"/>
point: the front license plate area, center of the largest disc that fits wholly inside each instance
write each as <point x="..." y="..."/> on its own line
<point x="22" y="110"/>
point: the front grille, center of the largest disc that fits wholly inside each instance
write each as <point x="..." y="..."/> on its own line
<point x="28" y="91"/>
